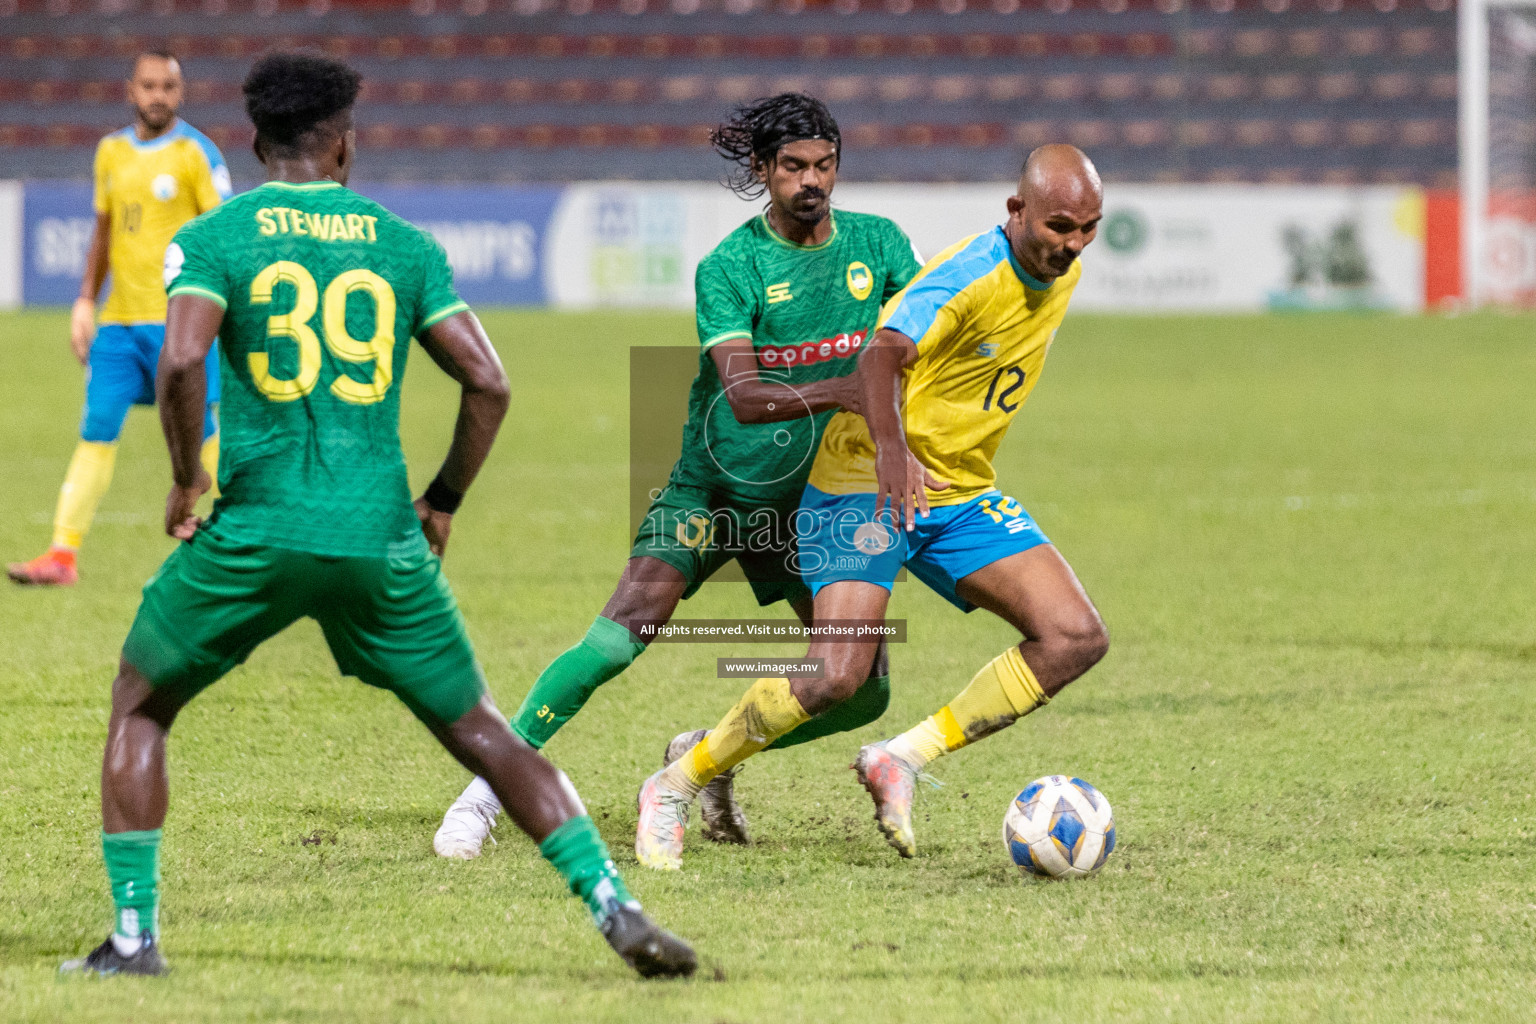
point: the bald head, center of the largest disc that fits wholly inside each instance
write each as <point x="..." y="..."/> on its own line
<point x="1059" y="174"/>
<point x="1056" y="211"/>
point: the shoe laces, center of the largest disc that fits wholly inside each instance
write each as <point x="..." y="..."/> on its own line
<point x="484" y="812"/>
<point x="487" y="814"/>
<point x="669" y="806"/>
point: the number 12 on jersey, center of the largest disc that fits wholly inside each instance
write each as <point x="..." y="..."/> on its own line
<point x="294" y="325"/>
<point x="1014" y="378"/>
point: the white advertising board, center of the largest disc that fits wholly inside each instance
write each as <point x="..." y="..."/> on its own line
<point x="1175" y="248"/>
<point x="635" y="244"/>
<point x="1252" y="247"/>
<point x="1205" y="248"/>
<point x="10" y="244"/>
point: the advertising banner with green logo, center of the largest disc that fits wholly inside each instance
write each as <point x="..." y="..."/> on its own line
<point x="1179" y="248"/>
<point x="1207" y="248"/>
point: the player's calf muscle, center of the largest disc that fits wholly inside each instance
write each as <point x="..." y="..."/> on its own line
<point x="647" y="595"/>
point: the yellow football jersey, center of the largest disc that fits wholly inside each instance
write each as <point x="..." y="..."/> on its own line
<point x="151" y="189"/>
<point x="982" y="327"/>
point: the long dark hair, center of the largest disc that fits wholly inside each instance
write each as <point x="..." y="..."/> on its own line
<point x="761" y="128"/>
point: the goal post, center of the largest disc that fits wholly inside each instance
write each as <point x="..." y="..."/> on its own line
<point x="1496" y="96"/>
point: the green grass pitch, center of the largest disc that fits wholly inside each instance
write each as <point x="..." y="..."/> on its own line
<point x="1312" y="539"/>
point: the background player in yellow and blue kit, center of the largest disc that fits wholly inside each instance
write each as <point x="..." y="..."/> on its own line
<point x="957" y="352"/>
<point x="151" y="178"/>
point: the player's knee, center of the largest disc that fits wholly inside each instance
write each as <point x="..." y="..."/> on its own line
<point x="1080" y="642"/>
<point x="140" y="713"/>
<point x="818" y="694"/>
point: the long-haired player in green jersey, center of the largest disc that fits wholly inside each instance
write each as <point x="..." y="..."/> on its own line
<point x="783" y="305"/>
<point x="316" y="293"/>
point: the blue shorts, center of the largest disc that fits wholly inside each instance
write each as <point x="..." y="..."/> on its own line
<point x="121" y="373"/>
<point x="840" y="540"/>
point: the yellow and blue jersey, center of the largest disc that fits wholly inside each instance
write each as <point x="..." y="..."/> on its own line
<point x="150" y="189"/>
<point x="982" y="326"/>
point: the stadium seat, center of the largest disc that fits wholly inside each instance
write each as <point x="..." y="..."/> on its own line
<point x="1328" y="86"/>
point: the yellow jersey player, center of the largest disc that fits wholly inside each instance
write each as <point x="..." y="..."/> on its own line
<point x="151" y="178"/>
<point x="957" y="352"/>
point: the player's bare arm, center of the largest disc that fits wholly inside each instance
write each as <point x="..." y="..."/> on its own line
<point x="460" y="346"/>
<point x="82" y="318"/>
<point x="900" y="478"/>
<point x="756" y="400"/>
<point x="181" y="389"/>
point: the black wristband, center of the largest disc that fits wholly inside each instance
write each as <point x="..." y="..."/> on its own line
<point x="442" y="498"/>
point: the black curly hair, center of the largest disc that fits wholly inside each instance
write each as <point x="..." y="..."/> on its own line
<point x="296" y="100"/>
<point x="758" y="130"/>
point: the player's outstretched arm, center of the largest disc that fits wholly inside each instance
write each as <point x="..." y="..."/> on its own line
<point x="181" y="389"/>
<point x="755" y="400"/>
<point x="82" y="318"/>
<point x="900" y="478"/>
<point x="460" y="346"/>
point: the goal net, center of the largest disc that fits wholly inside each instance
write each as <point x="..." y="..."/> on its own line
<point x="1497" y="70"/>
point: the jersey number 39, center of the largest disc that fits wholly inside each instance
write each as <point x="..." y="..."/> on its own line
<point x="294" y="325"/>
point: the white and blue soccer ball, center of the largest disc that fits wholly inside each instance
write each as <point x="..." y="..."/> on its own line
<point x="1059" y="827"/>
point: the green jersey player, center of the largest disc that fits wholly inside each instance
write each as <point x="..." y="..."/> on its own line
<point x="316" y="293"/>
<point x="784" y="304"/>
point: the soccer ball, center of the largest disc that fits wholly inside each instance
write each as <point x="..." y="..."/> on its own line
<point x="1060" y="828"/>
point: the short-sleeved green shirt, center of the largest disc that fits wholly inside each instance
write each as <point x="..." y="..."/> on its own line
<point x="322" y="291"/>
<point x="808" y="310"/>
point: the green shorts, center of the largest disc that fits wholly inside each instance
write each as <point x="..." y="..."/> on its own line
<point x="697" y="532"/>
<point x="391" y="622"/>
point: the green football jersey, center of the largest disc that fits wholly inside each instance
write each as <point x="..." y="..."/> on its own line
<point x="808" y="311"/>
<point x="322" y="292"/>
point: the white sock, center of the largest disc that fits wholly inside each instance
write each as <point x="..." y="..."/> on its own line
<point x="677" y="780"/>
<point x="919" y="745"/>
<point x="126" y="946"/>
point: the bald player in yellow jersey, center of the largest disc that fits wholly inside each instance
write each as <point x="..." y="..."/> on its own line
<point x="911" y="483"/>
<point x="151" y="178"/>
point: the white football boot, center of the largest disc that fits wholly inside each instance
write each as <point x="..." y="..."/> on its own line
<point x="663" y="820"/>
<point x="468" y="823"/>
<point x="892" y="783"/>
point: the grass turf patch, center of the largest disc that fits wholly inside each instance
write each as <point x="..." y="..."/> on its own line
<point x="1310" y="538"/>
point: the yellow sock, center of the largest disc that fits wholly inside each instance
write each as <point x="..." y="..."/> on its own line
<point x="89" y="476"/>
<point x="1004" y="691"/>
<point x="210" y="460"/>
<point x="765" y="712"/>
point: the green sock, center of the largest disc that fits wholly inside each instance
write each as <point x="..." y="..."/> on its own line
<point x="133" y="865"/>
<point x="578" y="853"/>
<point x="868" y="703"/>
<point x="564" y="687"/>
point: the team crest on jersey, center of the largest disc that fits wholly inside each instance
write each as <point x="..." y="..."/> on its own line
<point x="811" y="352"/>
<point x="860" y="281"/>
<point x="163" y="187"/>
<point x="779" y="292"/>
